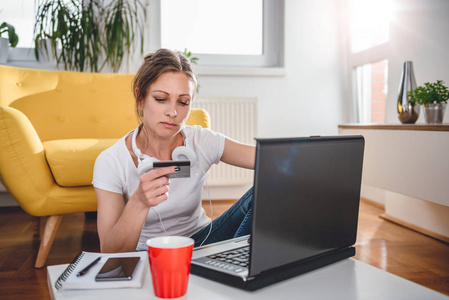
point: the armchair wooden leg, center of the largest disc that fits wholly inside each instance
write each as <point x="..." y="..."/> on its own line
<point x="51" y="226"/>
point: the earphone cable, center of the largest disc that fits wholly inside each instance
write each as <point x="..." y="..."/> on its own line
<point x="160" y="219"/>
<point x="211" y="211"/>
<point x="210" y="200"/>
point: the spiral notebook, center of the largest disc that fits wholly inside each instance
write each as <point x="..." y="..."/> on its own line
<point x="68" y="279"/>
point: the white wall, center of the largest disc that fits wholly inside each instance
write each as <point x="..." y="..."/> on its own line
<point x="419" y="33"/>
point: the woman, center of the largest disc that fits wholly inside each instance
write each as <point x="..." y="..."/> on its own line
<point x="133" y="208"/>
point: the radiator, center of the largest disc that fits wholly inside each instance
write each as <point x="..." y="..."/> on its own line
<point x="237" y="119"/>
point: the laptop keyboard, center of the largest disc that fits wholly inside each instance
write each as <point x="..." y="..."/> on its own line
<point x="233" y="260"/>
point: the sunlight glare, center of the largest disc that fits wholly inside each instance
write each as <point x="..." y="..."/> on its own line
<point x="369" y="23"/>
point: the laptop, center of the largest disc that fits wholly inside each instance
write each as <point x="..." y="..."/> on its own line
<point x="305" y="213"/>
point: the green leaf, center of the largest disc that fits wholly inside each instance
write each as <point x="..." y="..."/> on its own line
<point x="13" y="38"/>
<point x="430" y="93"/>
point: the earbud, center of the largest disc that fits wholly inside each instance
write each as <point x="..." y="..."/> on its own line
<point x="146" y="162"/>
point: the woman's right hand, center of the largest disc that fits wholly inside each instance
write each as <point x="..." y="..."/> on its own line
<point x="154" y="185"/>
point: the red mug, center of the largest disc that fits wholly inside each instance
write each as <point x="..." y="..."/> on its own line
<point x="170" y="258"/>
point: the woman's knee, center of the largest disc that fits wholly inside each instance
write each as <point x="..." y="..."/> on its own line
<point x="248" y="198"/>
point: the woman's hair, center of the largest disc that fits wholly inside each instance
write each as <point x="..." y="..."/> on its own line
<point x="153" y="66"/>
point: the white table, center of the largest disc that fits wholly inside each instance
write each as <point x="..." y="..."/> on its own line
<point x="347" y="279"/>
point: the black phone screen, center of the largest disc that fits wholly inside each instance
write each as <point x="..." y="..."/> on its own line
<point x="118" y="268"/>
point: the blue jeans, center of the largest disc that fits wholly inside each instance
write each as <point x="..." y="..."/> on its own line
<point x="234" y="222"/>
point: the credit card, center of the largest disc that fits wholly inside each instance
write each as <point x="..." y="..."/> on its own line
<point x="184" y="166"/>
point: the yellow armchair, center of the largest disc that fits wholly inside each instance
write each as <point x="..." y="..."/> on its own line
<point x="53" y="125"/>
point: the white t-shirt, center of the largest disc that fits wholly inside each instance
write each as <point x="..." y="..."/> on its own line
<point x="182" y="213"/>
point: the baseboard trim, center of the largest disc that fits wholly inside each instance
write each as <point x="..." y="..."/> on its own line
<point x="421" y="230"/>
<point x="373" y="203"/>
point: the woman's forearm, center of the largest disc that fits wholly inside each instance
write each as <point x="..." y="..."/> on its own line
<point x="119" y="224"/>
<point x="125" y="233"/>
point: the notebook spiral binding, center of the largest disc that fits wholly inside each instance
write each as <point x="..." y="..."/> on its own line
<point x="68" y="270"/>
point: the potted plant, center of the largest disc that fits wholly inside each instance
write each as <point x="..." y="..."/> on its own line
<point x="434" y="97"/>
<point x="73" y="29"/>
<point x="123" y="22"/>
<point x="5" y="43"/>
<point x="55" y="24"/>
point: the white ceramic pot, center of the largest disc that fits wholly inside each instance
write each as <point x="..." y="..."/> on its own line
<point x="434" y="113"/>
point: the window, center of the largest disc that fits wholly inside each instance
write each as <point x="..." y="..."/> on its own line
<point x="19" y="14"/>
<point x="208" y="29"/>
<point x="371" y="89"/>
<point x="245" y="34"/>
<point x="369" y="31"/>
<point x="369" y="23"/>
<point x="220" y="33"/>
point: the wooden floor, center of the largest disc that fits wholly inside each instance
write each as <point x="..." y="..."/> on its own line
<point x="380" y="243"/>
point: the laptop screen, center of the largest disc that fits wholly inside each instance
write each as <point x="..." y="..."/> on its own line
<point x="307" y="193"/>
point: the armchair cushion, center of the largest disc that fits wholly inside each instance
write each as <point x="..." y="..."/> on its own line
<point x="71" y="161"/>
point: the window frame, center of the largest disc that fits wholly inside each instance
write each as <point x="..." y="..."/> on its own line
<point x="360" y="58"/>
<point x="270" y="63"/>
<point x="273" y="44"/>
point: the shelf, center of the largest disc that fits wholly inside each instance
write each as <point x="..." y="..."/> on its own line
<point x="417" y="127"/>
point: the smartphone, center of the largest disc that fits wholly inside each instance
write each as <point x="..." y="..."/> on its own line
<point x="184" y="166"/>
<point x="118" y="268"/>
